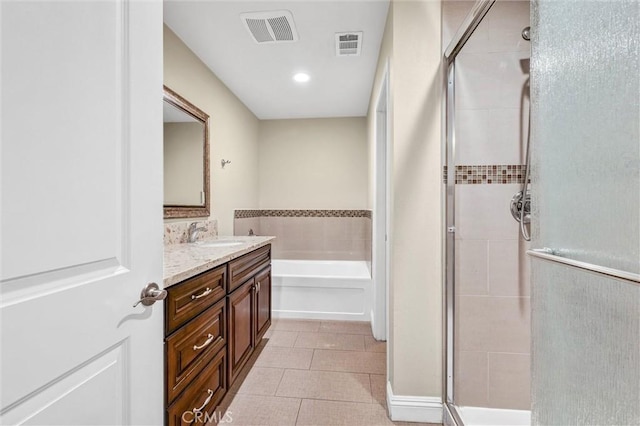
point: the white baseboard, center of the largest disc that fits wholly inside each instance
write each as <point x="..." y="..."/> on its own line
<point x="425" y="409"/>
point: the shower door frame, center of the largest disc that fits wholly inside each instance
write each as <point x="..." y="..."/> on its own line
<point x="468" y="26"/>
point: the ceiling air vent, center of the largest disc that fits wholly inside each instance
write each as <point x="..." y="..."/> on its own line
<point x="348" y="44"/>
<point x="275" y="26"/>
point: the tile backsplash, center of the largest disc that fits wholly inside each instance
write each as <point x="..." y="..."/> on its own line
<point x="177" y="232"/>
<point x="311" y="234"/>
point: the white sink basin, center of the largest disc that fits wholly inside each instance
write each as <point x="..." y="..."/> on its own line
<point x="219" y="243"/>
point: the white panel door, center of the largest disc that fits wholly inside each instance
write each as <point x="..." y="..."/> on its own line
<point x="81" y="224"/>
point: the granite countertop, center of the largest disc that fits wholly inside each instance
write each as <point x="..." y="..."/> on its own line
<point x="182" y="261"/>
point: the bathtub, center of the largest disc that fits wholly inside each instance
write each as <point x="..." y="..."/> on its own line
<point x="321" y="289"/>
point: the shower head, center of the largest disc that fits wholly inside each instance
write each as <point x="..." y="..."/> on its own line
<point x="526" y="33"/>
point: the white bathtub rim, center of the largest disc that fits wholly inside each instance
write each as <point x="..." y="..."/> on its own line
<point x="321" y="277"/>
<point x="351" y="269"/>
<point x="323" y="283"/>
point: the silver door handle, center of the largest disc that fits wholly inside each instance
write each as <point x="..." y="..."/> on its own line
<point x="258" y="291"/>
<point x="150" y="294"/>
<point x="205" y="344"/>
<point x="206" y="401"/>
<point x="203" y="294"/>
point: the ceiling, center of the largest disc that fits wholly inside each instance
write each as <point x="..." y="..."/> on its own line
<point x="261" y="75"/>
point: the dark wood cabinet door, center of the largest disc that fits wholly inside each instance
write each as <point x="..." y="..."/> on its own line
<point x="241" y="338"/>
<point x="263" y="302"/>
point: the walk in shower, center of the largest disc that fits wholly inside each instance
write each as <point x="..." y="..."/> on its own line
<point x="487" y="53"/>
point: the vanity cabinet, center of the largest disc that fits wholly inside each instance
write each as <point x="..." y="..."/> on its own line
<point x="249" y="306"/>
<point x="213" y="322"/>
<point x="195" y="345"/>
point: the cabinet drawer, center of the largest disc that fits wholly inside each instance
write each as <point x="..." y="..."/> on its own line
<point x="191" y="297"/>
<point x="243" y="268"/>
<point x="190" y="348"/>
<point x="201" y="397"/>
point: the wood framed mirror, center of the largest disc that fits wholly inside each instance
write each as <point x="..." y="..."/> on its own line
<point x="186" y="158"/>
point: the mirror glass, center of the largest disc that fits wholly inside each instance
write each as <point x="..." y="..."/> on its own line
<point x="186" y="158"/>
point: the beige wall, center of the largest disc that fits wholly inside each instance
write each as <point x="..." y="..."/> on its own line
<point x="183" y="163"/>
<point x="233" y="130"/>
<point x="313" y="163"/>
<point x="415" y="290"/>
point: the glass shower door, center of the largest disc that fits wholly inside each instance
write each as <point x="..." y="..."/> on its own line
<point x="585" y="75"/>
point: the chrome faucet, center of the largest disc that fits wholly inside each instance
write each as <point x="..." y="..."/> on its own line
<point x="194" y="231"/>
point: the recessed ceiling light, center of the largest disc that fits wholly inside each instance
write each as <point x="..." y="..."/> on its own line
<point x="301" y="77"/>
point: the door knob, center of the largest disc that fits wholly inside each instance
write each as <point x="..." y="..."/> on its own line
<point x="150" y="294"/>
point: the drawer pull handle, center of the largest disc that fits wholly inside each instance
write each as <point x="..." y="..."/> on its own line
<point x="205" y="344"/>
<point x="206" y="401"/>
<point x="206" y="292"/>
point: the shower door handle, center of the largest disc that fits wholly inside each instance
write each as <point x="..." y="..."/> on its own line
<point x="552" y="256"/>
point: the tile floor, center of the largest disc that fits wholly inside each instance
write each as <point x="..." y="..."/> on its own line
<point x="309" y="372"/>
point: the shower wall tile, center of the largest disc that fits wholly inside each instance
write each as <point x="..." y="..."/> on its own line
<point x="471" y="376"/>
<point x="368" y="246"/>
<point x="493" y="324"/>
<point x="453" y="13"/>
<point x="313" y="229"/>
<point x="479" y="42"/>
<point x="506" y="259"/>
<point x="482" y="212"/>
<point x="508" y="131"/>
<point x="473" y="137"/>
<point x="335" y="229"/>
<point x="509" y="381"/>
<point x="500" y="31"/>
<point x="504" y="25"/>
<point x="471" y="267"/>
<point x="292" y="237"/>
<point x="241" y="226"/>
<point x="490" y="80"/>
<point x="312" y="234"/>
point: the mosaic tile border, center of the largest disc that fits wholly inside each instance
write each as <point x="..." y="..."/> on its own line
<point x="487" y="174"/>
<point x="243" y="214"/>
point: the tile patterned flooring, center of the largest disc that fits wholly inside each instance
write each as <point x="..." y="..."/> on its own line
<point x="308" y="372"/>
